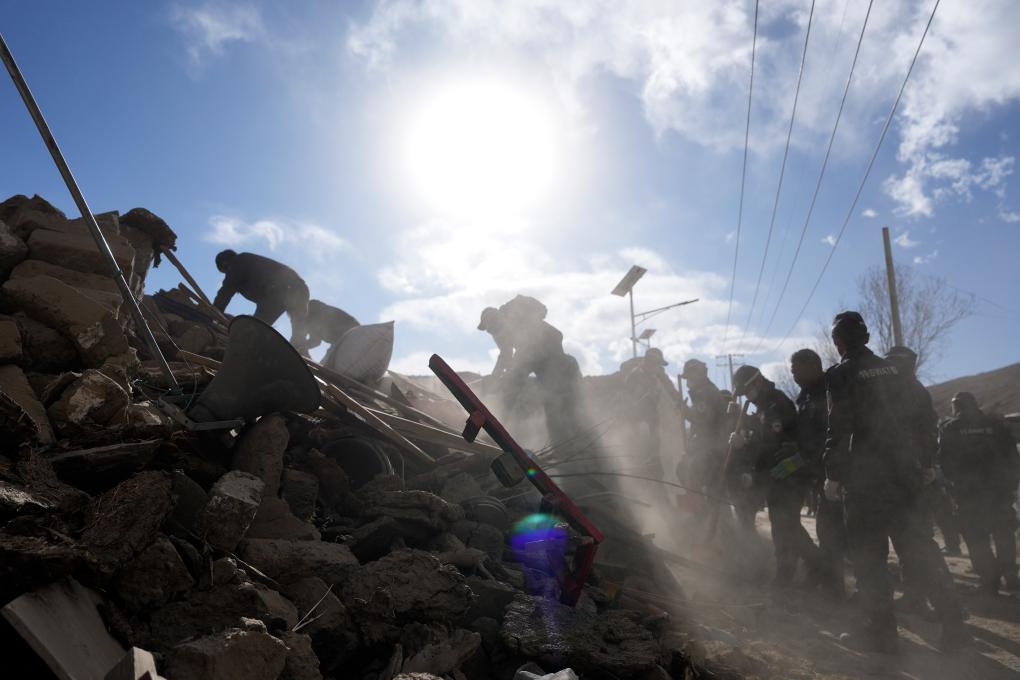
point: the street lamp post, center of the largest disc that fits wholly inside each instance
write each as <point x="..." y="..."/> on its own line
<point x="626" y="287"/>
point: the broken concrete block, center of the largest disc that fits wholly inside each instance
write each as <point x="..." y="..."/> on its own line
<point x="76" y="249"/>
<point x="10" y="340"/>
<point x="481" y="536"/>
<point x="81" y="280"/>
<point x="16" y="501"/>
<point x="37" y="475"/>
<point x="493" y="597"/>
<point x="326" y="618"/>
<point x="24" y="214"/>
<point x="275" y="520"/>
<point x="15" y="385"/>
<point x="156" y="576"/>
<point x="404" y="586"/>
<point x="123" y="521"/>
<point x="334" y="486"/>
<point x="12" y="250"/>
<point x="92" y="401"/>
<point x="136" y="664"/>
<point x="43" y="348"/>
<point x="30" y="562"/>
<point x="259" y="451"/>
<point x="422" y="508"/>
<point x="152" y="225"/>
<point x="613" y="641"/>
<point x="96" y="334"/>
<point x="291" y="560"/>
<point x="300" y="490"/>
<point x="233" y="502"/>
<point x="302" y="664"/>
<point x="444" y="656"/>
<point x="189" y="501"/>
<point x="233" y="654"/>
<point x="205" y="612"/>
<point x="373" y="540"/>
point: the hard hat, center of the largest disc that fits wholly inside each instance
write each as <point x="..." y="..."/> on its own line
<point x="742" y="379"/>
<point x="693" y="367"/>
<point x="655" y="354"/>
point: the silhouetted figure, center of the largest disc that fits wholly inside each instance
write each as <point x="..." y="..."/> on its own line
<point x="646" y="382"/>
<point x="709" y="426"/>
<point x="274" y="287"/>
<point x="326" y="323"/>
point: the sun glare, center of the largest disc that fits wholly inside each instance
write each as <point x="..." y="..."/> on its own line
<point x="481" y="147"/>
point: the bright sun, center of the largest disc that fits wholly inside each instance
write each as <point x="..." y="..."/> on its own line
<point x="481" y="147"/>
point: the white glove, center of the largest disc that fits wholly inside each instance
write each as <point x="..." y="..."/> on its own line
<point x="832" y="490"/>
<point x="927" y="476"/>
<point x="746" y="480"/>
<point x="737" y="441"/>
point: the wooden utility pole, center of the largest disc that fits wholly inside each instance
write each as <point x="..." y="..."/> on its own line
<point x="894" y="303"/>
<point x="728" y="359"/>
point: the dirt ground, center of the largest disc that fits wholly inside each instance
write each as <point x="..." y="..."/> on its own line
<point x="795" y="633"/>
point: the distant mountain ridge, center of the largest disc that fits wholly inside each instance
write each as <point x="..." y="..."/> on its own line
<point x="997" y="391"/>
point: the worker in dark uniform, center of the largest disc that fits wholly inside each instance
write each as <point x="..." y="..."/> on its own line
<point x="274" y="287"/>
<point x="812" y="424"/>
<point x="538" y="350"/>
<point x="870" y="463"/>
<point x="707" y="416"/>
<point x="777" y="466"/>
<point x="979" y="457"/>
<point x="326" y="323"/>
<point x="646" y="382"/>
<point x="495" y="324"/>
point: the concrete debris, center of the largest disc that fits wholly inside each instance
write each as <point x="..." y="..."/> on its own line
<point x="232" y="505"/>
<point x="301" y="546"/>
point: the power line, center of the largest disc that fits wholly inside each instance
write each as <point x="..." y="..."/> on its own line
<point x="821" y="176"/>
<point x="743" y="178"/>
<point x="864" y="180"/>
<point x="782" y="173"/>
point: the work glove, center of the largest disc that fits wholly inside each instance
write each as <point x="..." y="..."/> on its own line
<point x="746" y="480"/>
<point x="737" y="441"/>
<point x="787" y="466"/>
<point x="832" y="490"/>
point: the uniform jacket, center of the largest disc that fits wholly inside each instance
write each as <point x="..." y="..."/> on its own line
<point x="979" y="455"/>
<point x="867" y="443"/>
<point x="812" y="424"/>
<point x="772" y="433"/>
<point x="707" y="415"/>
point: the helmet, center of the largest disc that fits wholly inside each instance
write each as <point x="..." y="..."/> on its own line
<point x="965" y="399"/>
<point x="655" y="354"/>
<point x="693" y="367"/>
<point x="851" y="328"/>
<point x="488" y="320"/>
<point x="742" y="379"/>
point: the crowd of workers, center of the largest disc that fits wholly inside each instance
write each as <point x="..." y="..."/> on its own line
<point x="862" y="438"/>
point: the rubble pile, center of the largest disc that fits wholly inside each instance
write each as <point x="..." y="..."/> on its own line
<point x="300" y="547"/>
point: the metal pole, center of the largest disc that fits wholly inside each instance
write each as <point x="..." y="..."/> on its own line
<point x="86" y="213"/>
<point x="633" y="326"/>
<point x="894" y="303"/>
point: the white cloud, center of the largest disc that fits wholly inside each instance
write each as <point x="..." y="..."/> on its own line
<point x="1007" y="215"/>
<point x="869" y="213"/>
<point x="829" y="239"/>
<point x="311" y="239"/>
<point x="904" y="240"/>
<point x="211" y="27"/>
<point x="926" y="258"/>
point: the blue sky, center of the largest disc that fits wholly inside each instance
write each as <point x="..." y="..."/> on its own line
<point x="420" y="160"/>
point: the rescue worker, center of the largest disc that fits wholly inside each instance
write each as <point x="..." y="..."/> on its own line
<point x="274" y="287"/>
<point x="494" y="323"/>
<point x="812" y="423"/>
<point x="774" y="462"/>
<point x="646" y="381"/>
<point x="979" y="458"/>
<point x="707" y="416"/>
<point x="870" y="465"/>
<point x="326" y="323"/>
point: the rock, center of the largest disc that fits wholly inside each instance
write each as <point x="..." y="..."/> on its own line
<point x="136" y="664"/>
<point x="123" y="521"/>
<point x="15" y="501"/>
<point x="300" y="490"/>
<point x="80" y="280"/>
<point x="15" y="385"/>
<point x="302" y="664"/>
<point x="76" y="249"/>
<point x="206" y="612"/>
<point x="284" y="560"/>
<point x="153" y="578"/>
<point x="565" y="674"/>
<point x="43" y="348"/>
<point x="493" y="597"/>
<point x="93" y="401"/>
<point x="31" y="562"/>
<point x="334" y="487"/>
<point x="98" y="468"/>
<point x="12" y="250"/>
<point x="609" y="642"/>
<point x="233" y="654"/>
<point x="312" y="593"/>
<point x="481" y="536"/>
<point x="10" y="340"/>
<point x="35" y="473"/>
<point x="259" y="451"/>
<point x="460" y="487"/>
<point x="233" y="502"/>
<point x="420" y="508"/>
<point x="152" y="225"/>
<point x="446" y="656"/>
<point x="189" y="501"/>
<point x="24" y="215"/>
<point x="404" y="586"/>
<point x="274" y="520"/>
<point x="725" y="660"/>
<point x="373" y="540"/>
<point x="416" y="676"/>
<point x="55" y="387"/>
<point x="95" y="333"/>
